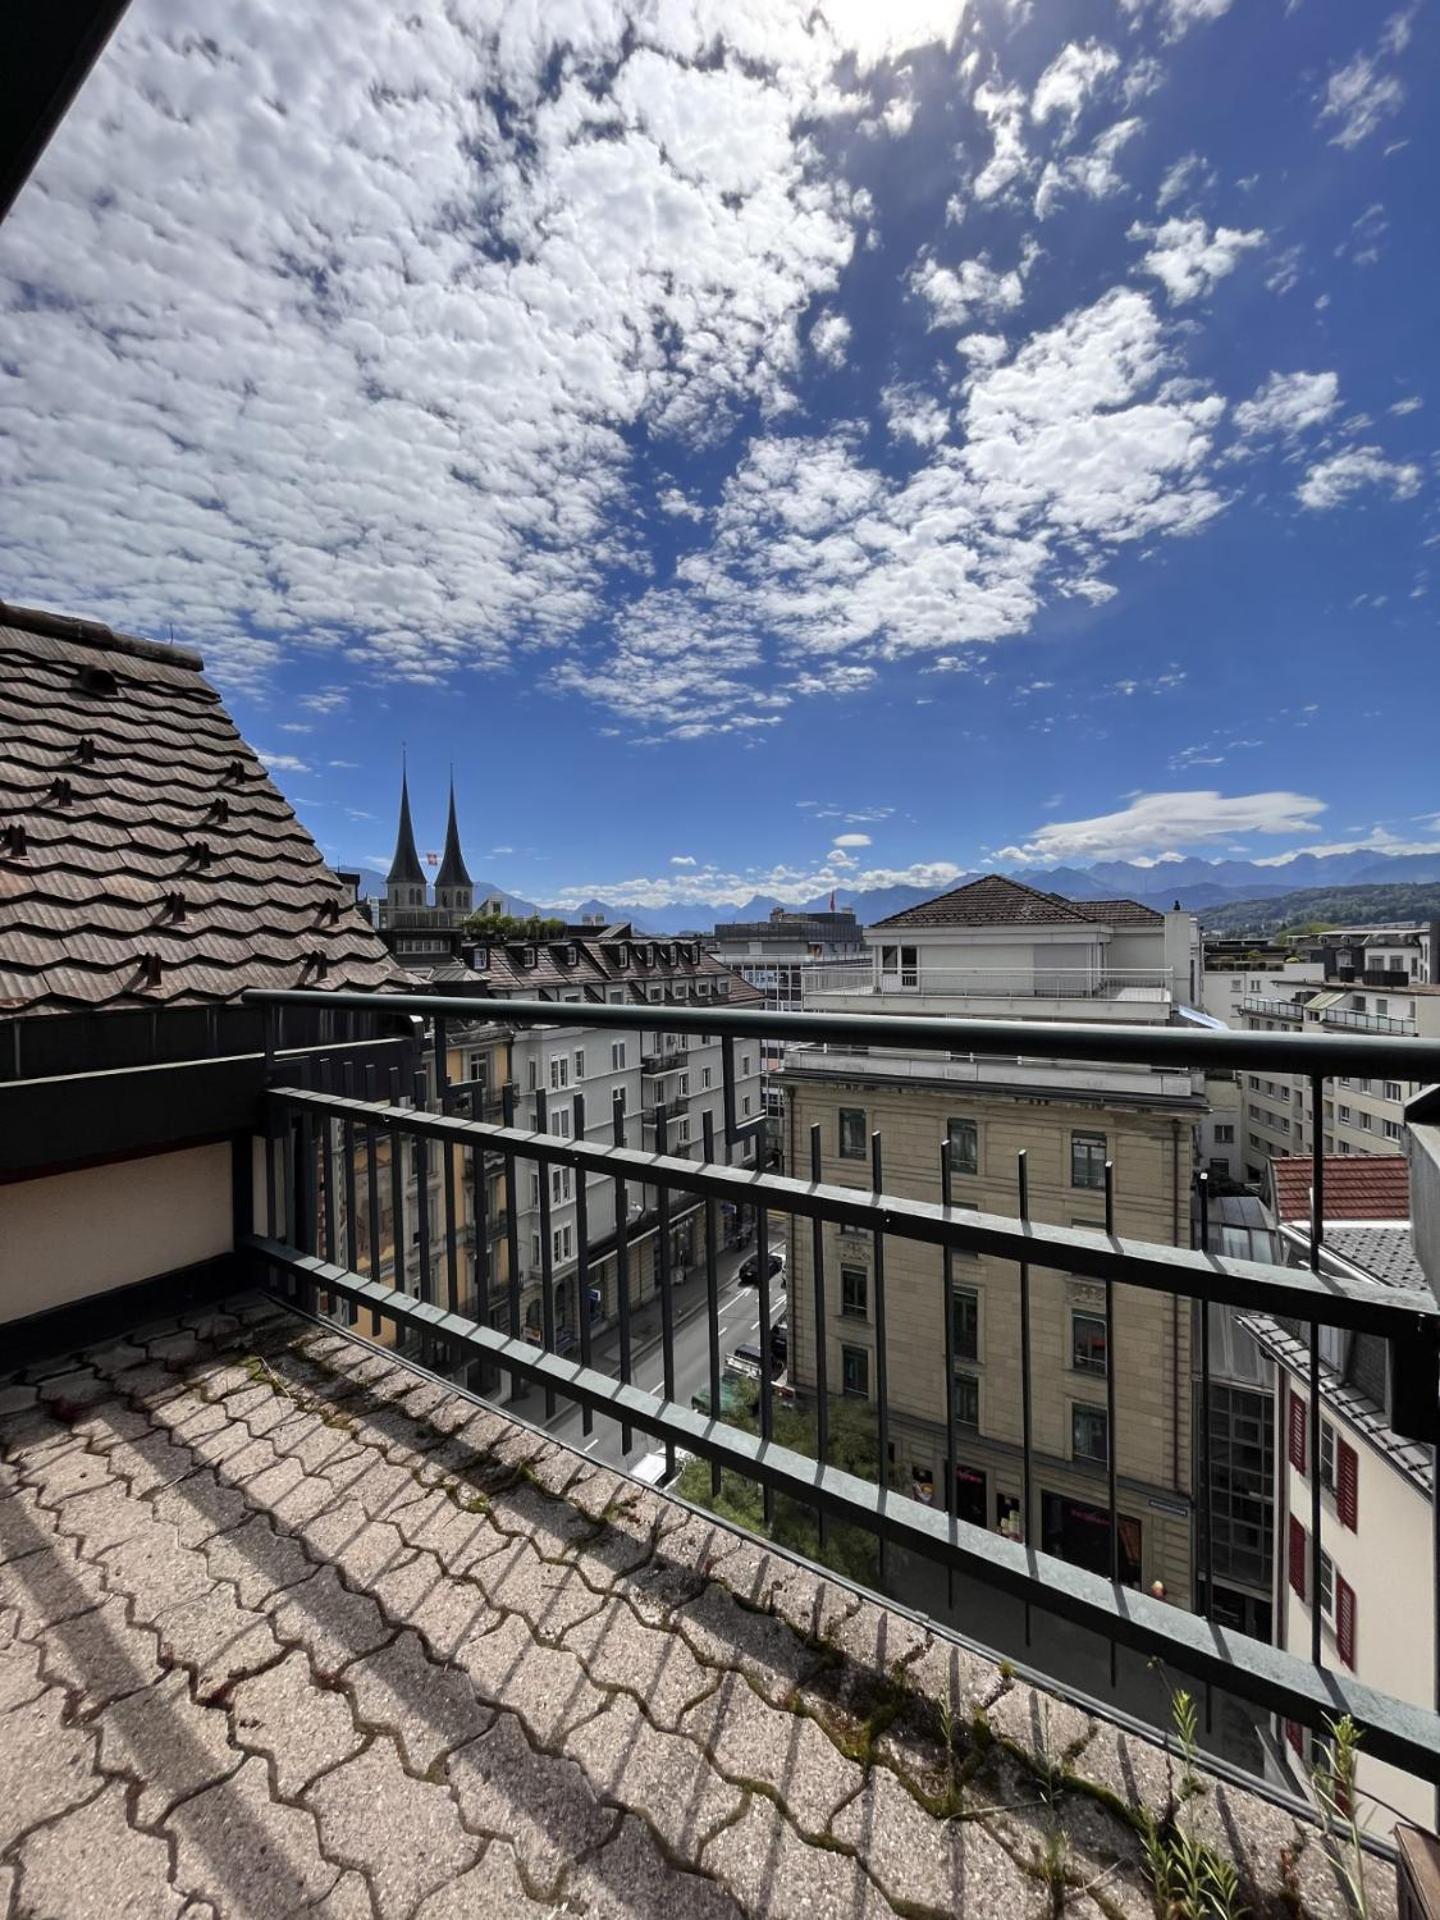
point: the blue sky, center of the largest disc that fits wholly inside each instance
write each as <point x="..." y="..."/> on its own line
<point x="762" y="448"/>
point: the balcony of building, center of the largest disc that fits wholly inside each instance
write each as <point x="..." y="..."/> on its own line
<point x="1141" y="995"/>
<point x="298" y="1623"/>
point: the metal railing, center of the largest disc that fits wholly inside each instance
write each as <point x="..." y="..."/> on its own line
<point x="1367" y="1022"/>
<point x="303" y="1239"/>
<point x="980" y="983"/>
<point x="1273" y="1009"/>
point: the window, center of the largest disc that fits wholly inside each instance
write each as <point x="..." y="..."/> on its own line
<point x="1089" y="1343"/>
<point x="534" y="1189"/>
<point x="1393" y="1090"/>
<point x="559" y="1073"/>
<point x="562" y="1243"/>
<point x="534" y="1249"/>
<point x="617" y="1056"/>
<point x="852" y="1133"/>
<point x="855" y="1372"/>
<point x="1087" y="1159"/>
<point x="855" y="1292"/>
<point x="1394" y="1130"/>
<point x="1327" y="1586"/>
<point x="706" y="1079"/>
<point x="1327" y="1456"/>
<point x="622" y="1097"/>
<point x="684" y="1086"/>
<point x="965" y="1323"/>
<point x="967" y="1400"/>
<point x="745" y="1106"/>
<point x="964" y="1147"/>
<point x="579" y="1063"/>
<point x="745" y="1066"/>
<point x="1367" y="1123"/>
<point x="1224" y="1135"/>
<point x="532" y="1074"/>
<point x="560" y="1122"/>
<point x="560" y="1188"/>
<point x="1089" y="1433"/>
<point x="1345" y="1116"/>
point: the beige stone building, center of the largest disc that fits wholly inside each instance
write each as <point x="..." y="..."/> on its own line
<point x="1069" y="1119"/>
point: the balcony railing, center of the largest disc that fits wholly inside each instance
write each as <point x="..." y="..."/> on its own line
<point x="1356" y="1022"/>
<point x="664" y="1059"/>
<point x="302" y="1242"/>
<point x="984" y="983"/>
<point x="1273" y="1009"/>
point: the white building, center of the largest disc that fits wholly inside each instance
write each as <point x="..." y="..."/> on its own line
<point x="1376" y="1598"/>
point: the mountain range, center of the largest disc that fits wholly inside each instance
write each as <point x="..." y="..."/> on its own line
<point x="1196" y="884"/>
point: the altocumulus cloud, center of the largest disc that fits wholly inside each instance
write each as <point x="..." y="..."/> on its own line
<point x="1159" y="823"/>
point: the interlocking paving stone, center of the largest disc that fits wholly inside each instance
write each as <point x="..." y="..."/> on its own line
<point x="403" y="1834"/>
<point x="257" y="1559"/>
<point x="551" y="1525"/>
<point x="101" y="1655"/>
<point x="751" y="1743"/>
<point x="101" y="1519"/>
<point x="168" y="1743"/>
<point x="25" y="1526"/>
<point x="428" y="1708"/>
<point x="1137" y="1771"/>
<point x="353" y="1543"/>
<point x="221" y="1640"/>
<point x="551" y="1598"/>
<point x="50" y="1586"/>
<point x="251" y="1857"/>
<point x="546" y="1686"/>
<point x="93" y="1865"/>
<point x="152" y="1461"/>
<point x="198" y="1507"/>
<point x="722" y="1633"/>
<point x="491" y="1890"/>
<point x="156" y="1571"/>
<point x="661" y="1775"/>
<point x="630" y="1879"/>
<point x="303" y="1727"/>
<point x="333" y="1624"/>
<point x="544" y="1807"/>
<point x="770" y="1870"/>
<point x="456" y="1536"/>
<point x="19" y="1674"/>
<point x="449" y="1613"/>
<point x="1047" y="1730"/>
<point x="348" y="1899"/>
<point x="657" y="1667"/>
<point x="75" y="1471"/>
<point x="955" y="1866"/>
<point x="45" y="1767"/>
<point x="290" y="1494"/>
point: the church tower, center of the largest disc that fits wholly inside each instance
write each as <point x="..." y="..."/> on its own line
<point x="454" y="889"/>
<point x="405" y="882"/>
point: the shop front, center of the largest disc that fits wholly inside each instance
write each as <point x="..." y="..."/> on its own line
<point x="1076" y="1531"/>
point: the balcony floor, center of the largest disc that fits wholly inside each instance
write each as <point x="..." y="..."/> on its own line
<point x="286" y="1627"/>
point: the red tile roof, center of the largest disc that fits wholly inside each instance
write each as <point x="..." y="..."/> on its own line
<point x="146" y="858"/>
<point x="1359" y="1186"/>
<point x="995" y="901"/>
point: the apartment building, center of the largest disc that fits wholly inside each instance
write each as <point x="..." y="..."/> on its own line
<point x="1018" y="953"/>
<point x="649" y="1089"/>
<point x="776" y="954"/>
<point x="1376" y="1577"/>
<point x="1358" y="1116"/>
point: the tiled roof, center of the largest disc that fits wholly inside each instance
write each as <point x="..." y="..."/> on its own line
<point x="1386" y="1254"/>
<point x="146" y="858"/>
<point x="598" y="964"/>
<point x="1359" y="1186"/>
<point x="995" y="901"/>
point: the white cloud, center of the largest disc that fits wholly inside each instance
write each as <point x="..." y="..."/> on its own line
<point x="1003" y="109"/>
<point x="1071" y="78"/>
<point x="672" y="501"/>
<point x="1363" y="94"/>
<point x="788" y="884"/>
<point x="1156" y="823"/>
<point x="1189" y="258"/>
<point x="349" y="765"/>
<point x="280" y="762"/>
<point x="913" y="414"/>
<point x="1179" y="16"/>
<point x="1379" y="840"/>
<point x="830" y="337"/>
<point x="1187" y="177"/>
<point x="1331" y="482"/>
<point x="296" y="726"/>
<point x="985" y="349"/>
<point x="1412" y="403"/>
<point x="974" y="288"/>
<point x="852" y="840"/>
<point x="1093" y="173"/>
<point x="834" y="679"/>
<point x="682" y="860"/>
<point x="1288" y="403"/>
<point x="326" y="700"/>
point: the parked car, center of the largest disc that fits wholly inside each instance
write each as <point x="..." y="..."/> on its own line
<point x="652" y="1468"/>
<point x="750" y="1269"/>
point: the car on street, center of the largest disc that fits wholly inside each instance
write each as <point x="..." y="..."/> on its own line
<point x="749" y="1275"/>
<point x="652" y="1468"/>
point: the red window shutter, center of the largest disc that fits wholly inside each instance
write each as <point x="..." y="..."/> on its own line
<point x="1347" y="1478"/>
<point x="1295" y="1734"/>
<point x="1297" y="1412"/>
<point x="1297" y="1556"/>
<point x="1345" y="1621"/>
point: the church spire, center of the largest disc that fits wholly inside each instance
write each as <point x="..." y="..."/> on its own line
<point x="453" y="871"/>
<point x="405" y="868"/>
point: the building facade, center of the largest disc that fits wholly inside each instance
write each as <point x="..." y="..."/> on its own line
<point x="1069" y="1120"/>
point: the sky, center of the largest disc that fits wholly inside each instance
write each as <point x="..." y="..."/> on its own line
<point x="758" y="447"/>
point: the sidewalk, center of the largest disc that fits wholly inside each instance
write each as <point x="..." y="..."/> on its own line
<point x="687" y="1298"/>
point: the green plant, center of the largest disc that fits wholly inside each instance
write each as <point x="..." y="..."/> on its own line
<point x="1189" y="1878"/>
<point x="1332" y="1774"/>
<point x="1187" y="1730"/>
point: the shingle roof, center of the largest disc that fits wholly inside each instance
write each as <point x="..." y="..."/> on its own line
<point x="605" y="962"/>
<point x="1387" y="1254"/>
<point x="1358" y="1186"/>
<point x="146" y="858"/>
<point x="995" y="901"/>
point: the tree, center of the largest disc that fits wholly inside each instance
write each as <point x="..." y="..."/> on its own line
<point x="496" y="928"/>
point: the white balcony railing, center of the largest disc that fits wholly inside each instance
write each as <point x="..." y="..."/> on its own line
<point x="985" y="983"/>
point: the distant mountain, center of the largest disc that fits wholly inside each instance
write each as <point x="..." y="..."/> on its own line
<point x="1405" y="900"/>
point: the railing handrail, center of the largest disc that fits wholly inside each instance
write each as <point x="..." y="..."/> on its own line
<point x="1310" y="1054"/>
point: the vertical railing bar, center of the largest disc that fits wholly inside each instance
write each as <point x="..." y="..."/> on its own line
<point x="372" y="1172"/>
<point x="727" y="1088"/>
<point x="1111" y="1449"/>
<point x="400" y="1277"/>
<point x="1317" y="1170"/>
<point x="762" y="1272"/>
<point x="712" y="1290"/>
<point x="512" y="1236"/>
<point x="547" y="1264"/>
<point x="309" y="1243"/>
<point x="1026" y="1411"/>
<point x="822" y="1333"/>
<point x="326" y="1174"/>
<point x="947" y="1278"/>
<point x="582" y="1250"/>
<point x="662" y="1256"/>
<point x="421" y="1156"/>
<point x="347" y="1148"/>
<point x="1315" y="1509"/>
<point x="882" y="1354"/>
<point x="622" y="1258"/>
<point x="1435" y="1590"/>
<point x="447" y="1180"/>
<point x="272" y="1136"/>
<point x="1206" y="1504"/>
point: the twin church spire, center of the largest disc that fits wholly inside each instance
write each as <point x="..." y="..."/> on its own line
<point x="405" y="884"/>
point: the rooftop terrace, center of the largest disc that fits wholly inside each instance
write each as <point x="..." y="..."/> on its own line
<point x="288" y="1626"/>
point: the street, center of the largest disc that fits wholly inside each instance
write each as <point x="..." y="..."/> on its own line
<point x="739" y="1326"/>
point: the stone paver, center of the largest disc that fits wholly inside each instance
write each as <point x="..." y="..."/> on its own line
<point x="287" y="1629"/>
<point x="544" y="1808"/>
<point x="93" y="1865"/>
<point x="403" y="1834"/>
<point x="303" y="1728"/>
<point x="428" y="1707"/>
